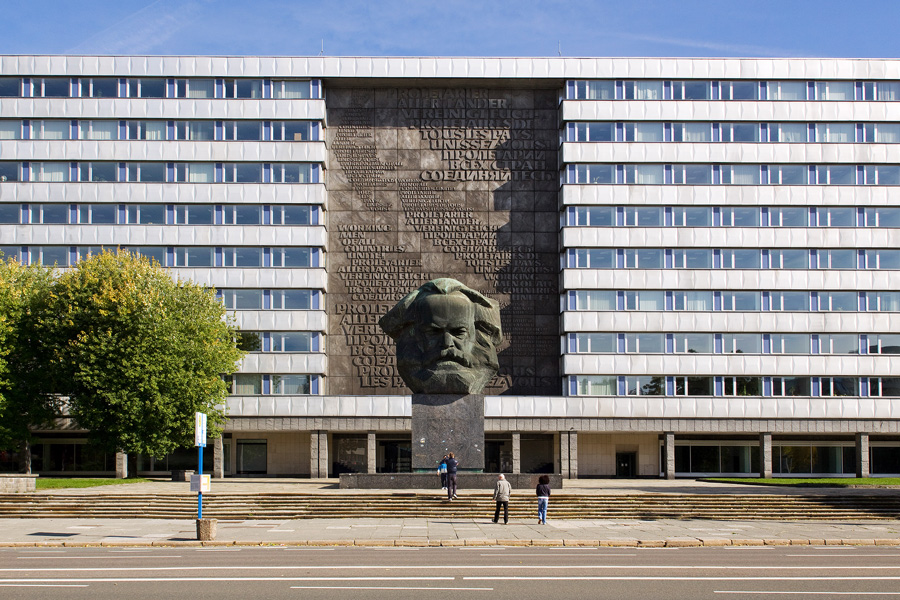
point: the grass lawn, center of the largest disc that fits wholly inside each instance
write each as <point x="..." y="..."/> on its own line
<point x="56" y="483"/>
<point x="811" y="481"/>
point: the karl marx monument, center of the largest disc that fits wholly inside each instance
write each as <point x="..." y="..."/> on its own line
<point x="447" y="336"/>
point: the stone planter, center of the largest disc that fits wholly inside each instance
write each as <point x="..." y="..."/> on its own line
<point x="206" y="529"/>
<point x="16" y="483"/>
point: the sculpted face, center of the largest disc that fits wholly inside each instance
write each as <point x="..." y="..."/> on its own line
<point x="445" y="342"/>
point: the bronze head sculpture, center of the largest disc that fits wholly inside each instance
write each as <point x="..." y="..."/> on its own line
<point x="447" y="336"/>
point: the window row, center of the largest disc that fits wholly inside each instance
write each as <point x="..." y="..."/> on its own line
<point x="732" y="216"/>
<point x="259" y="299"/>
<point x="745" y="301"/>
<point x="249" y="130"/>
<point x="697" y="89"/>
<point x="694" y="458"/>
<point x="162" y="214"/>
<point x="733" y="343"/>
<point x="193" y="256"/>
<point x="158" y="87"/>
<point x="281" y="341"/>
<point x="701" y="131"/>
<point x="659" y="385"/>
<point x="256" y="384"/>
<point x="731" y="258"/>
<point x="160" y="172"/>
<point x="736" y="174"/>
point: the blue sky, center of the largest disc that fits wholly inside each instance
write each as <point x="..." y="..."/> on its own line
<point x="827" y="28"/>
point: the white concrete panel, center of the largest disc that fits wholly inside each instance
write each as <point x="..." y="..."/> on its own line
<point x="722" y="364"/>
<point x="169" y="193"/>
<point x="166" y="235"/>
<point x="256" y="278"/>
<point x="281" y="320"/>
<point x="319" y="406"/>
<point x="728" y="279"/>
<point x="729" y="322"/>
<point x="284" y="362"/>
<point x="728" y="195"/>
<point x="761" y="153"/>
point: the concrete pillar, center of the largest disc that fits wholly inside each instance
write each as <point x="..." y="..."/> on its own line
<point x="323" y="453"/>
<point x="516" y="452"/>
<point x="862" y="454"/>
<point x="313" y="454"/>
<point x="370" y="452"/>
<point x="218" y="458"/>
<point x="121" y="465"/>
<point x="573" y="455"/>
<point x="564" y="454"/>
<point x="669" y="467"/>
<point x="765" y="455"/>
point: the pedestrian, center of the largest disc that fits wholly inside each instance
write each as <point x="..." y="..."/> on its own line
<point x="452" y="465"/>
<point x="501" y="496"/>
<point x="442" y="470"/>
<point x="543" y="495"/>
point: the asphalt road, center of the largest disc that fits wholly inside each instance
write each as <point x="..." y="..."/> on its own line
<point x="470" y="572"/>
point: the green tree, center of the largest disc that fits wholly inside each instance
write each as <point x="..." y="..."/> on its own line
<point x="26" y="399"/>
<point x="137" y="353"/>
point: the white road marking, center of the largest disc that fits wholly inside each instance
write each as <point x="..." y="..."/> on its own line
<point x="683" y="578"/>
<point x="97" y="557"/>
<point x="521" y="555"/>
<point x="183" y="579"/>
<point x="53" y="585"/>
<point x="836" y="555"/>
<point x="815" y="593"/>
<point x="375" y="587"/>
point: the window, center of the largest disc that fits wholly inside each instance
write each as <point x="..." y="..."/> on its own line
<point x="99" y="130"/>
<point x="740" y="174"/>
<point x="200" y="88"/>
<point x="98" y="214"/>
<point x="606" y="300"/>
<point x="195" y="172"/>
<point x="884" y="386"/>
<point x="884" y="343"/>
<point x="295" y="214"/>
<point x="100" y="87"/>
<point x="741" y="259"/>
<point x="789" y="216"/>
<point x="199" y="131"/>
<point x="791" y="386"/>
<point x="645" y="385"/>
<point x="888" y="91"/>
<point x="147" y="130"/>
<point x="145" y="214"/>
<point x="692" y="174"/>
<point x="248" y="341"/>
<point x="882" y="175"/>
<point x="154" y="254"/>
<point x="50" y="130"/>
<point x="595" y="343"/>
<point x="645" y="300"/>
<point x="834" y="90"/>
<point x="643" y="132"/>
<point x="49" y="256"/>
<point x="294" y="299"/>
<point x="839" y="386"/>
<point x="593" y="216"/>
<point x="787" y="90"/>
<point x="592" y="258"/>
<point x="887" y="301"/>
<point x="694" y="343"/>
<point x="695" y="301"/>
<point x="643" y="90"/>
<point x="596" y="385"/>
<point x="240" y="299"/>
<point x="883" y="133"/>
<point x="49" y="213"/>
<point x="291" y="384"/>
<point x="242" y="257"/>
<point x="146" y="172"/>
<point x="592" y="132"/>
<point x="739" y="132"/>
<point x="147" y="88"/>
<point x="594" y="90"/>
<point x="691" y="216"/>
<point x="691" y="258"/>
<point x="243" y="88"/>
<point x="742" y="386"/>
<point x="692" y="132"/>
<point x="592" y="174"/>
<point x="789" y="343"/>
<point x="643" y="216"/>
<point x="741" y="301"/>
<point x="195" y="214"/>
<point x="10" y="87"/>
<point x="693" y="386"/>
<point x="10" y="213"/>
<point x="645" y="343"/>
<point x="739" y="90"/>
<point x="790" y="133"/>
<point x="839" y="301"/>
<point x="242" y="130"/>
<point x="292" y="131"/>
<point x="10" y="130"/>
<point x="740" y="216"/>
<point x="644" y="258"/>
<point x="293" y="257"/>
<point x="51" y="87"/>
<point x="290" y="90"/>
<point x="292" y="341"/>
<point x="245" y="384"/>
<point x="789" y="301"/>
<point x="98" y="171"/>
<point x="242" y="172"/>
<point x="644" y="174"/>
<point x="840" y="133"/>
<point x="194" y="256"/>
<point x="241" y="214"/>
<point x="839" y="343"/>
<point x="292" y="173"/>
<point x="789" y="175"/>
<point x="837" y="259"/>
<point x="741" y="343"/>
<point x="789" y="259"/>
<point x="691" y="90"/>
<point x="49" y="171"/>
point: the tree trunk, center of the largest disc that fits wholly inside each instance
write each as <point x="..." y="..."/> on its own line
<point x="25" y="457"/>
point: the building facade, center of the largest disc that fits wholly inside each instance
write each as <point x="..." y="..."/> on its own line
<point x="697" y="260"/>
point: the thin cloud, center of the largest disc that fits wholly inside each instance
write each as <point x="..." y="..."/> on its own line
<point x="725" y="49"/>
<point x="143" y="31"/>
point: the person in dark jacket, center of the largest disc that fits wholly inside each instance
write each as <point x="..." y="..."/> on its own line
<point x="442" y="469"/>
<point x="543" y="496"/>
<point x="452" y="465"/>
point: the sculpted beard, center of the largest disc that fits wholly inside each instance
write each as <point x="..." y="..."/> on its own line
<point x="442" y="377"/>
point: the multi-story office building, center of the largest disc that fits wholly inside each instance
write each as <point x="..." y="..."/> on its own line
<point x="698" y="260"/>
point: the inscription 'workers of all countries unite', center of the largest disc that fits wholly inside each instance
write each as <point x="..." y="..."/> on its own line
<point x="406" y="166"/>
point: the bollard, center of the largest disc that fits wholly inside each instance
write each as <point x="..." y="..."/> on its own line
<point x="206" y="529"/>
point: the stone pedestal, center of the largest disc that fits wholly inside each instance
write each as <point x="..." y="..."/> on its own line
<point x="443" y="423"/>
<point x="206" y="529"/>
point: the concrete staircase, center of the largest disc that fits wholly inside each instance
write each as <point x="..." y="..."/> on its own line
<point x="434" y="505"/>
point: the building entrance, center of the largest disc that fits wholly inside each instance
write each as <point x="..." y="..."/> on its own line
<point x="394" y="456"/>
<point x="626" y="464"/>
<point x="251" y="457"/>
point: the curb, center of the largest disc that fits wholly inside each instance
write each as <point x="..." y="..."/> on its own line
<point x="420" y="543"/>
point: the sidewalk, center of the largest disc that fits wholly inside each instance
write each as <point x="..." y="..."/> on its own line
<point x="451" y="532"/>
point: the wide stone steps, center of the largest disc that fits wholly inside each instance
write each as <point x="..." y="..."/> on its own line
<point x="433" y="505"/>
